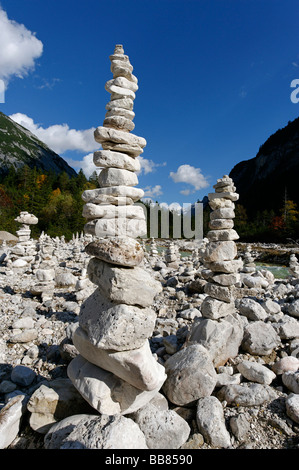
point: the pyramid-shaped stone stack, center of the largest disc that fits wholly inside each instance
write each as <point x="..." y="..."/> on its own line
<point x="115" y="370"/>
<point x="220" y="260"/>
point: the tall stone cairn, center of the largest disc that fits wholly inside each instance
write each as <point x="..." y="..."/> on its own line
<point x="115" y="371"/>
<point x="222" y="267"/>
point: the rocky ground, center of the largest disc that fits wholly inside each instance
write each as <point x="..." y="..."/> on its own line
<point x="36" y="347"/>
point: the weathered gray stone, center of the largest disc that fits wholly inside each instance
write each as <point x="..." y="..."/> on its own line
<point x="240" y="427"/>
<point x="211" y="423"/>
<point x="138" y="367"/>
<point x="286" y="364"/>
<point x="106" y="159"/>
<point x="246" y="394"/>
<point x="190" y="375"/>
<point x="132" y="286"/>
<point x="95" y="195"/>
<point x="117" y="177"/>
<point x="215" y="309"/>
<point x="162" y="429"/>
<point x="123" y="251"/>
<point x="110" y="211"/>
<point x="220" y="251"/>
<point x="260" y="338"/>
<point x="115" y="326"/>
<point x="221" y="338"/>
<point x="10" y="420"/>
<point x="291" y="380"/>
<point x="256" y="372"/>
<point x="292" y="406"/>
<point x="116" y="227"/>
<point x="251" y="309"/>
<point x="53" y="401"/>
<point x="104" y="391"/>
<point x="95" y="432"/>
<point x="104" y="134"/>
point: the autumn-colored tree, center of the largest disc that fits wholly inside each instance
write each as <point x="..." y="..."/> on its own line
<point x="278" y="223"/>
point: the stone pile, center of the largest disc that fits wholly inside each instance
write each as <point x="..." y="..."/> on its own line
<point x="22" y="254"/>
<point x="248" y="260"/>
<point x="110" y="210"/>
<point x="220" y="255"/>
<point x="115" y="370"/>
<point x="294" y="266"/>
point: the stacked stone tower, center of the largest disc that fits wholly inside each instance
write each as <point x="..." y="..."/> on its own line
<point x="115" y="370"/>
<point x="221" y="251"/>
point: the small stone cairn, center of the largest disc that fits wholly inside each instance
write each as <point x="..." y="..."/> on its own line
<point x="23" y="253"/>
<point x="220" y="255"/>
<point x="294" y="266"/>
<point x="115" y="371"/>
<point x="248" y="260"/>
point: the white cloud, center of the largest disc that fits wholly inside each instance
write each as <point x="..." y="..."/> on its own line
<point x="150" y="191"/>
<point x="19" y="48"/>
<point x="86" y="164"/>
<point x="185" y="192"/>
<point x="59" y="137"/>
<point x="148" y="166"/>
<point x="190" y="175"/>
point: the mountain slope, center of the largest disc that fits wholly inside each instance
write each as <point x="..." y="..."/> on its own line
<point x="265" y="181"/>
<point x="19" y="147"/>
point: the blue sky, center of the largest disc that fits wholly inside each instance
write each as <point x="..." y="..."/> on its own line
<point x="214" y="80"/>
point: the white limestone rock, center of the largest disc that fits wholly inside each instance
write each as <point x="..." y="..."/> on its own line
<point x="214" y="309"/>
<point x="103" y="227"/>
<point x="10" y="420"/>
<point x="138" y="366"/>
<point x="104" y="391"/>
<point x="123" y="251"/>
<point x="94" y="211"/>
<point x="115" y="326"/>
<point x="221" y="338"/>
<point x="220" y="251"/>
<point x="256" y="372"/>
<point x="119" y="122"/>
<point x="107" y="158"/>
<point x="104" y="134"/>
<point x="132" y="286"/>
<point x="260" y="338"/>
<point x="211" y="423"/>
<point x="87" y="431"/>
<point x="163" y="429"/>
<point x="95" y="195"/>
<point x="246" y="394"/>
<point x="190" y="375"/>
<point x="117" y="177"/>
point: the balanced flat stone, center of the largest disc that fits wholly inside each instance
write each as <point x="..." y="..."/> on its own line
<point x="116" y="227"/>
<point x="123" y="251"/>
<point x="133" y="150"/>
<point x="104" y="391"/>
<point x="122" y="82"/>
<point x="122" y="284"/>
<point x="119" y="122"/>
<point x="95" y="211"/>
<point x="107" y="158"/>
<point x="138" y="366"/>
<point x="115" y="326"/>
<point x="220" y="251"/>
<point x="103" y="134"/>
<point x="124" y="103"/>
<point x="91" y="195"/>
<point x="117" y="177"/>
